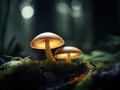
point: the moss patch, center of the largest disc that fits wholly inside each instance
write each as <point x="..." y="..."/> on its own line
<point x="37" y="75"/>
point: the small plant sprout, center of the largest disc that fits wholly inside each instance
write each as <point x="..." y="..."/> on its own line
<point x="47" y="41"/>
<point x="67" y="53"/>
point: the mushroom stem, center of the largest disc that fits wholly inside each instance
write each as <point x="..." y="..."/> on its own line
<point x="48" y="51"/>
<point x="68" y="59"/>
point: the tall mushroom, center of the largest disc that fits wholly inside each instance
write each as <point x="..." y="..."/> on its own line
<point x="47" y="41"/>
<point x="67" y="53"/>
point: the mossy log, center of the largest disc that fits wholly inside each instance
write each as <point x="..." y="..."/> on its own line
<point x="28" y="74"/>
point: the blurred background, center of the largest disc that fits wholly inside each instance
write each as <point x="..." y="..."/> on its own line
<point x="86" y="24"/>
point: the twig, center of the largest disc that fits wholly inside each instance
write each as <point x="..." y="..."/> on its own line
<point x="93" y="65"/>
<point x="58" y="87"/>
<point x="7" y="56"/>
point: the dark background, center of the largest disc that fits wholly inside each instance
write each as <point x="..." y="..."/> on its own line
<point x="100" y="19"/>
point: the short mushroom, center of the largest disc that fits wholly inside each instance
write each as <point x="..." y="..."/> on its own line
<point x="47" y="41"/>
<point x="67" y="53"/>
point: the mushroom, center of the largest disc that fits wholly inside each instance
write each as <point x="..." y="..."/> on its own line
<point x="47" y="41"/>
<point x="67" y="53"/>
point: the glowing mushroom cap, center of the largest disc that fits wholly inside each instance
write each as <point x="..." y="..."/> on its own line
<point x="54" y="40"/>
<point x="61" y="53"/>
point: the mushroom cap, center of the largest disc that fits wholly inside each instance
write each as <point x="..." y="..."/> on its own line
<point x="39" y="41"/>
<point x="62" y="52"/>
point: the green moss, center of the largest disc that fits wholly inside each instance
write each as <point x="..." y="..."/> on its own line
<point x="21" y="75"/>
<point x="36" y="74"/>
